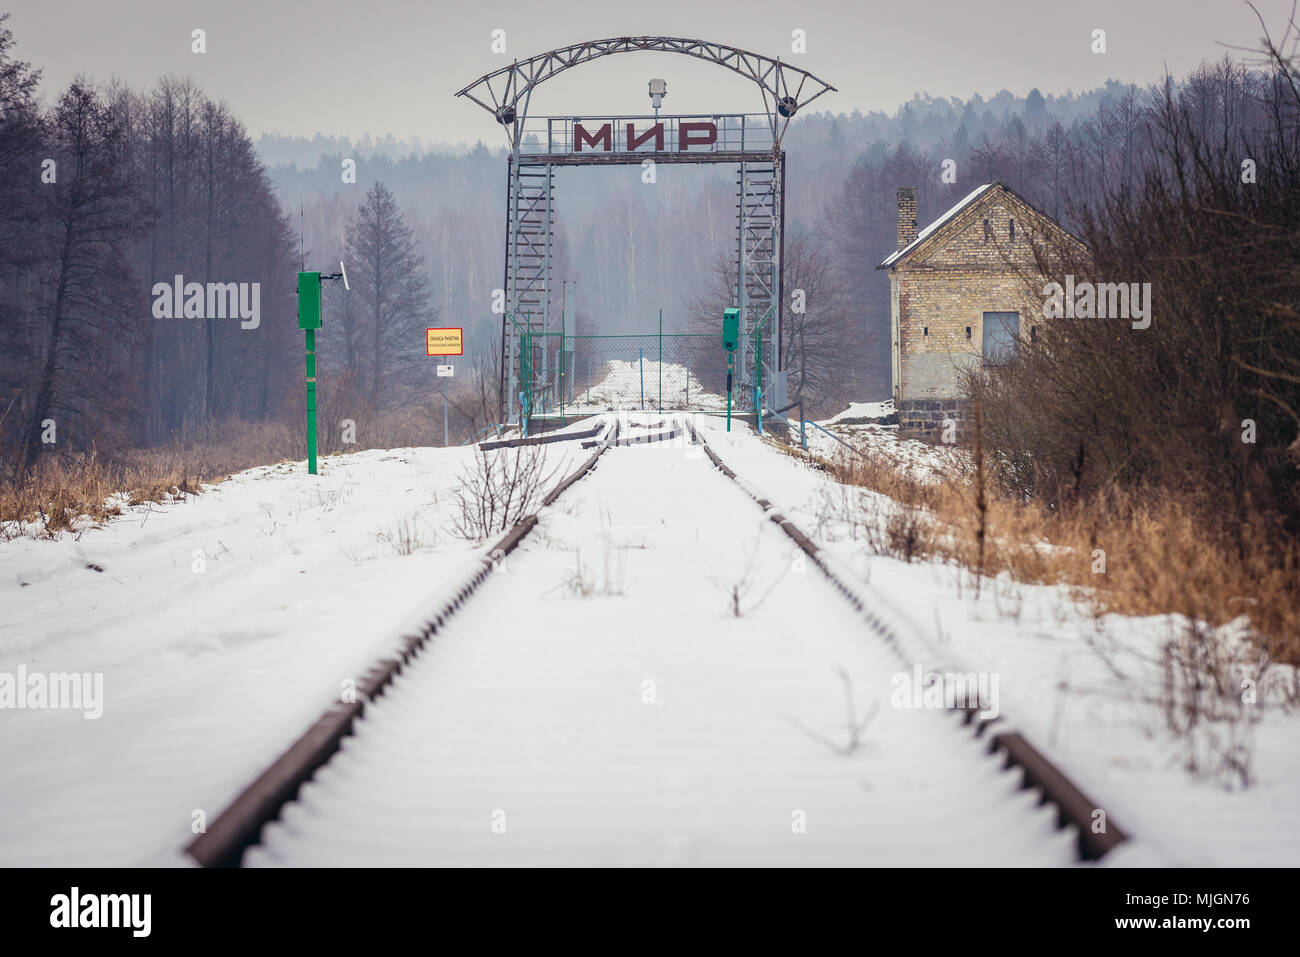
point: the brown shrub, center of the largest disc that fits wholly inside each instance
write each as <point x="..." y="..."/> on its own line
<point x="1123" y="551"/>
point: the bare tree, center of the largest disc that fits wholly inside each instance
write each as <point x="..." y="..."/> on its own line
<point x="92" y="210"/>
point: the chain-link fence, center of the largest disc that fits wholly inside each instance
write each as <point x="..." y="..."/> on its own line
<point x="674" y="371"/>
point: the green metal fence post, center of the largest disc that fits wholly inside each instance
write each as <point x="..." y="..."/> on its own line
<point x="729" y="358"/>
<point x="526" y="379"/>
<point x="661" y="360"/>
<point x="758" y="367"/>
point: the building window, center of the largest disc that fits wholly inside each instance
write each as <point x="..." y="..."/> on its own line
<point x="925" y="330"/>
<point x="968" y="332"/>
<point x="1012" y="231"/>
<point x="1000" y="331"/>
<point x="1033" y="333"/>
<point x="988" y="231"/>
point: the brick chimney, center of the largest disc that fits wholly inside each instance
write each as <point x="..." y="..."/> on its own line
<point x="906" y="215"/>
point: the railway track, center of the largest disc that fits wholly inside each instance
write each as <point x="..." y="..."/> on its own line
<point x="651" y="671"/>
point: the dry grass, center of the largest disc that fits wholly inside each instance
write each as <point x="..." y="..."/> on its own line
<point x="65" y="492"/>
<point x="1123" y="552"/>
<point x="1118" y="552"/>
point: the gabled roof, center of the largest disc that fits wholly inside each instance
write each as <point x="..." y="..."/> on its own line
<point x="974" y="198"/>
<point x="924" y="234"/>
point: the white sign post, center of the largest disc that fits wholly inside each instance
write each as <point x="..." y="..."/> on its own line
<point x="445" y="373"/>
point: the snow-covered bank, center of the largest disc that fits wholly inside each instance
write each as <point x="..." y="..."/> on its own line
<point x="859" y="427"/>
<point x="223" y="625"/>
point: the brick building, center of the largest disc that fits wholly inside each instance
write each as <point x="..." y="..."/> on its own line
<point x="961" y="291"/>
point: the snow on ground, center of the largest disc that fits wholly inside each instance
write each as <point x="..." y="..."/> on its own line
<point x="223" y="626"/>
<point x="629" y="718"/>
<point x="858" y="411"/>
<point x="851" y="433"/>
<point x="1056" y="686"/>
<point x="624" y="385"/>
<point x="208" y="674"/>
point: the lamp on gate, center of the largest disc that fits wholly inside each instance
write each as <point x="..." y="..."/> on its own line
<point x="658" y="90"/>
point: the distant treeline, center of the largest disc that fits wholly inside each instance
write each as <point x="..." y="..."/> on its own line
<point x="142" y="187"/>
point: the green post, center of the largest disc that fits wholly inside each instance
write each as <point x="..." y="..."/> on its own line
<point x="311" y="401"/>
<point x="661" y="360"/>
<point x="730" y="356"/>
<point x="525" y="385"/>
<point x="309" y="322"/>
<point x="730" y="339"/>
<point x="758" y="367"/>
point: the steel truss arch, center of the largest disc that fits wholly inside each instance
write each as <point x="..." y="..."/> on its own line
<point x="528" y="354"/>
<point x="786" y="89"/>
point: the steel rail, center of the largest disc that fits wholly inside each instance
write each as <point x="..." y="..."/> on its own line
<point x="1074" y="807"/>
<point x="239" y="826"/>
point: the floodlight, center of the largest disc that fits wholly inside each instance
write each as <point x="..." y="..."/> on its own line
<point x="658" y="90"/>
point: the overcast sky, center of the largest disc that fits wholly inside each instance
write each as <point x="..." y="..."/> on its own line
<point x="349" y="67"/>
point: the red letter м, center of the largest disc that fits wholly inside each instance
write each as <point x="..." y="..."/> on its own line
<point x="581" y="136"/>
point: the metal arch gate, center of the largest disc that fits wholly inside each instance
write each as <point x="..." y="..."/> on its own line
<point x="535" y="151"/>
<point x="529" y="336"/>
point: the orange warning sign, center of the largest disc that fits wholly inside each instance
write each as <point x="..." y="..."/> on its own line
<point x="446" y="342"/>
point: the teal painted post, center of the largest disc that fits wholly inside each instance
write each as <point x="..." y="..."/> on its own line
<point x="661" y="360"/>
<point x="309" y="322"/>
<point x="311" y="401"/>
<point x="729" y="358"/>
